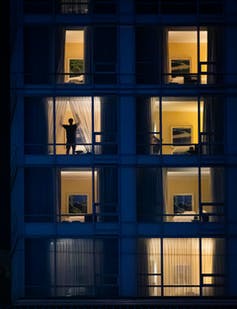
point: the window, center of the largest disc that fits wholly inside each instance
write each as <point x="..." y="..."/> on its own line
<point x="181" y="7"/>
<point x="187" y="194"/>
<point x="72" y="194"/>
<point x="88" y="195"/>
<point x="73" y="6"/>
<point x="178" y="55"/>
<point x="66" y="267"/>
<point x="70" y="56"/>
<point x="180" y="267"/>
<point x="47" y="125"/>
<point x="179" y="125"/>
<point x="70" y="7"/>
<point x="187" y="49"/>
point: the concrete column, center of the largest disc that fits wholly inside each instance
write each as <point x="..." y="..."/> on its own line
<point x="128" y="232"/>
<point x="126" y="43"/>
<point x="127" y="125"/>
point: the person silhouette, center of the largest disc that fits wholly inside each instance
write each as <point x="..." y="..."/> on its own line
<point x="71" y="134"/>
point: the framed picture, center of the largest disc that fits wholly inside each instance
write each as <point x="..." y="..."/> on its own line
<point x="181" y="135"/>
<point x="76" y="67"/>
<point x="182" y="202"/>
<point x="180" y="67"/>
<point x="77" y="203"/>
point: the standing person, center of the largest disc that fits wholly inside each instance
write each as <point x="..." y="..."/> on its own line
<point x="71" y="134"/>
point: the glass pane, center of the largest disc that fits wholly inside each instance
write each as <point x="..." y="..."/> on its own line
<point x="149" y="267"/>
<point x="213" y="257"/>
<point x="74" y="61"/>
<point x="149" y="194"/>
<point x="181" y="196"/>
<point x="212" y="193"/>
<point x="76" y="195"/>
<point x="39" y="194"/>
<point x="74" y="125"/>
<point x="106" y="194"/>
<point x="37" y="118"/>
<point x="181" y="266"/>
<point x="179" y="125"/>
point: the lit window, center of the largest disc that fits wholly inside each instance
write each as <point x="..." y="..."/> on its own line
<point x="88" y="195"/>
<point x="179" y="125"/>
<point x="172" y="267"/>
<point x="180" y="194"/>
<point x="74" y="57"/>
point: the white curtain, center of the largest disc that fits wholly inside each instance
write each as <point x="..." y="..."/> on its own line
<point x="154" y="266"/>
<point x="60" y="109"/>
<point x="82" y="107"/>
<point x="78" y="107"/>
<point x="181" y="266"/>
<point x="72" y="264"/>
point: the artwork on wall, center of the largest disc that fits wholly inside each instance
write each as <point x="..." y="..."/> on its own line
<point x="77" y="203"/>
<point x="76" y="67"/>
<point x="180" y="67"/>
<point x="181" y="135"/>
<point x="182" y="202"/>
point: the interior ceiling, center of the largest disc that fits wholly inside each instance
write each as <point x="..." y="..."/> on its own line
<point x="74" y="36"/>
<point x="190" y="106"/>
<point x="182" y="105"/>
<point x="186" y="36"/>
<point x="77" y="36"/>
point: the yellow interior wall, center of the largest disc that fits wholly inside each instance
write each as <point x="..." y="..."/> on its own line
<point x="176" y="118"/>
<point x="187" y="51"/>
<point x="73" y="51"/>
<point x="182" y="184"/>
<point x="76" y="185"/>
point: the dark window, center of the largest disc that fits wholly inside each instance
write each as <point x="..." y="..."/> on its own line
<point x="178" y="7"/>
<point x="146" y="6"/>
<point x="38" y="6"/>
<point x="105" y="55"/>
<point x="104" y="6"/>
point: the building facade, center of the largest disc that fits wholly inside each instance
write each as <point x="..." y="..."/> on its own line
<point x="123" y="141"/>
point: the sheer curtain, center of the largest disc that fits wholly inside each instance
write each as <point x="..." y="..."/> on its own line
<point x="83" y="267"/>
<point x="60" y="110"/>
<point x="213" y="263"/>
<point x="78" y="107"/>
<point x="72" y="264"/>
<point x="181" y="266"/>
<point x="81" y="108"/>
